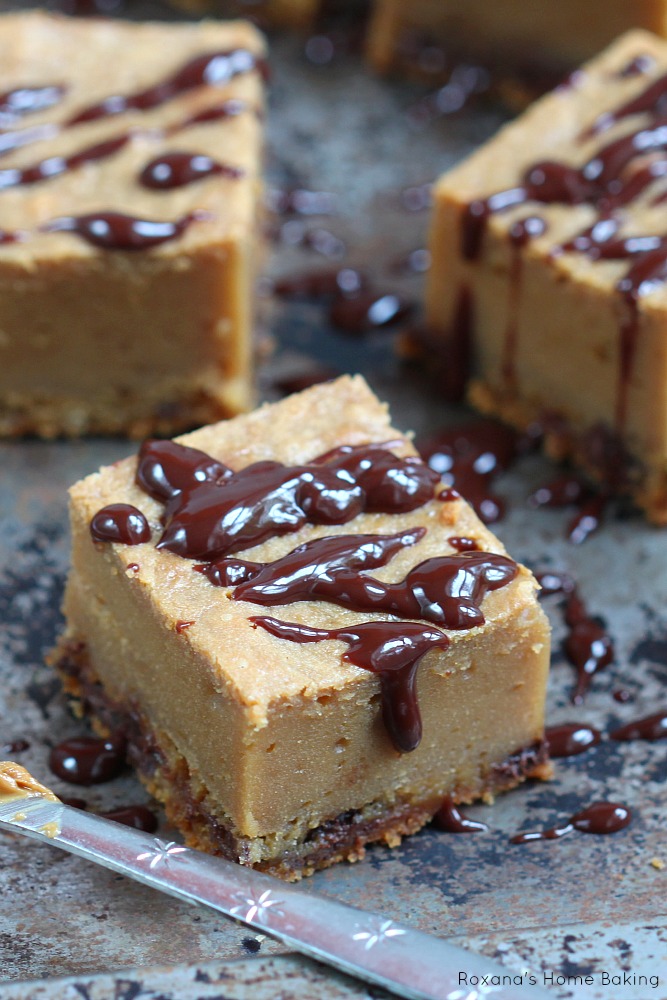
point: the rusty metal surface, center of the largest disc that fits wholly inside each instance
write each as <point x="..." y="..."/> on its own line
<point x="581" y="906"/>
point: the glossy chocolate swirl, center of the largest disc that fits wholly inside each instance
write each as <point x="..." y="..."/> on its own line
<point x="446" y="590"/>
<point x="218" y="516"/>
<point x="392" y="650"/>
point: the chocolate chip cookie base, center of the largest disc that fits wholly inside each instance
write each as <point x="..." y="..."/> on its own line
<point x="166" y="775"/>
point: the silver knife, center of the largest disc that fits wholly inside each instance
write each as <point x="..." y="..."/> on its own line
<point x="371" y="947"/>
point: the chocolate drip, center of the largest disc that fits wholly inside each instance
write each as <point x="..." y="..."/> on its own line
<point x="213" y="113"/>
<point x="588" y="646"/>
<point x="463" y="544"/>
<point x="559" y="492"/>
<point x="166" y="468"/>
<point x="599" y="817"/>
<point x="520" y="233"/>
<point x="588" y="518"/>
<point x="446" y="590"/>
<point x="311" y="569"/>
<point x="182" y="626"/>
<point x="137" y="817"/>
<point x="87" y="760"/>
<point x="652" y="727"/>
<point x="10" y="141"/>
<point x="213" y="69"/>
<point x="120" y="522"/>
<point x="450" y="819"/>
<point x="637" y="66"/>
<point x="653" y="99"/>
<point x="174" y="170"/>
<point x="321" y="284"/>
<point x="570" y="739"/>
<point x="368" y="311"/>
<point x="116" y="231"/>
<point x="266" y="499"/>
<point x="392" y="650"/>
<point x="469" y="457"/>
<point x="14" y="746"/>
<point x="55" y="166"/>
<point x="14" y="104"/>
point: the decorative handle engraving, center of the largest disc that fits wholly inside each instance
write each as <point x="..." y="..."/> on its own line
<point x="372" y="947"/>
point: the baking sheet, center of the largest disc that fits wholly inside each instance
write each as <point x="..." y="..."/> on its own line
<point x="585" y="905"/>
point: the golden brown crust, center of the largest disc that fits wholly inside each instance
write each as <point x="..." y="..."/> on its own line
<point x="344" y="837"/>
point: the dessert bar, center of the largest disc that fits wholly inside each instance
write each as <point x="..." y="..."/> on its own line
<point x="535" y="42"/>
<point x="129" y="189"/>
<point x="549" y="261"/>
<point x="308" y="642"/>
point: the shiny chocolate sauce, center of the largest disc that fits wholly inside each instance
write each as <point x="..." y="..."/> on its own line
<point x="560" y="492"/>
<point x="137" y="817"/>
<point x="599" y="817"/>
<point x="213" y="69"/>
<point x="637" y="66"/>
<point x="463" y="544"/>
<point x="446" y="590"/>
<point x="450" y="819"/>
<point x="88" y="760"/>
<point x="321" y="284"/>
<point x="117" y="231"/>
<point x="212" y="518"/>
<point x="230" y="108"/>
<point x="54" y="166"/>
<point x="20" y="101"/>
<point x="182" y="626"/>
<point x="174" y="170"/>
<point x="120" y="522"/>
<point x="588" y="646"/>
<point x="652" y="727"/>
<point x="308" y="568"/>
<point x="469" y="457"/>
<point x="392" y="650"/>
<point x="622" y="696"/>
<point x="368" y="310"/>
<point x="14" y="746"/>
<point x="571" y="738"/>
<point x="166" y="468"/>
<point x="301" y="201"/>
<point x="570" y="490"/>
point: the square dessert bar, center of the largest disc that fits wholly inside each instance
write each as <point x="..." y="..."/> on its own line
<point x="549" y="265"/>
<point x="537" y="41"/>
<point x="298" y="14"/>
<point x="310" y="652"/>
<point x="129" y="190"/>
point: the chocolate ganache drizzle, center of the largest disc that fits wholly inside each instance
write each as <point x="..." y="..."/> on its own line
<point x="212" y="512"/>
<point x="109" y="230"/>
<point x="617" y="172"/>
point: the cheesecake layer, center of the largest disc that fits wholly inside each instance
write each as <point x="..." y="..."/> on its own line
<point x="274" y="737"/>
<point x="549" y="265"/>
<point x="129" y="184"/>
